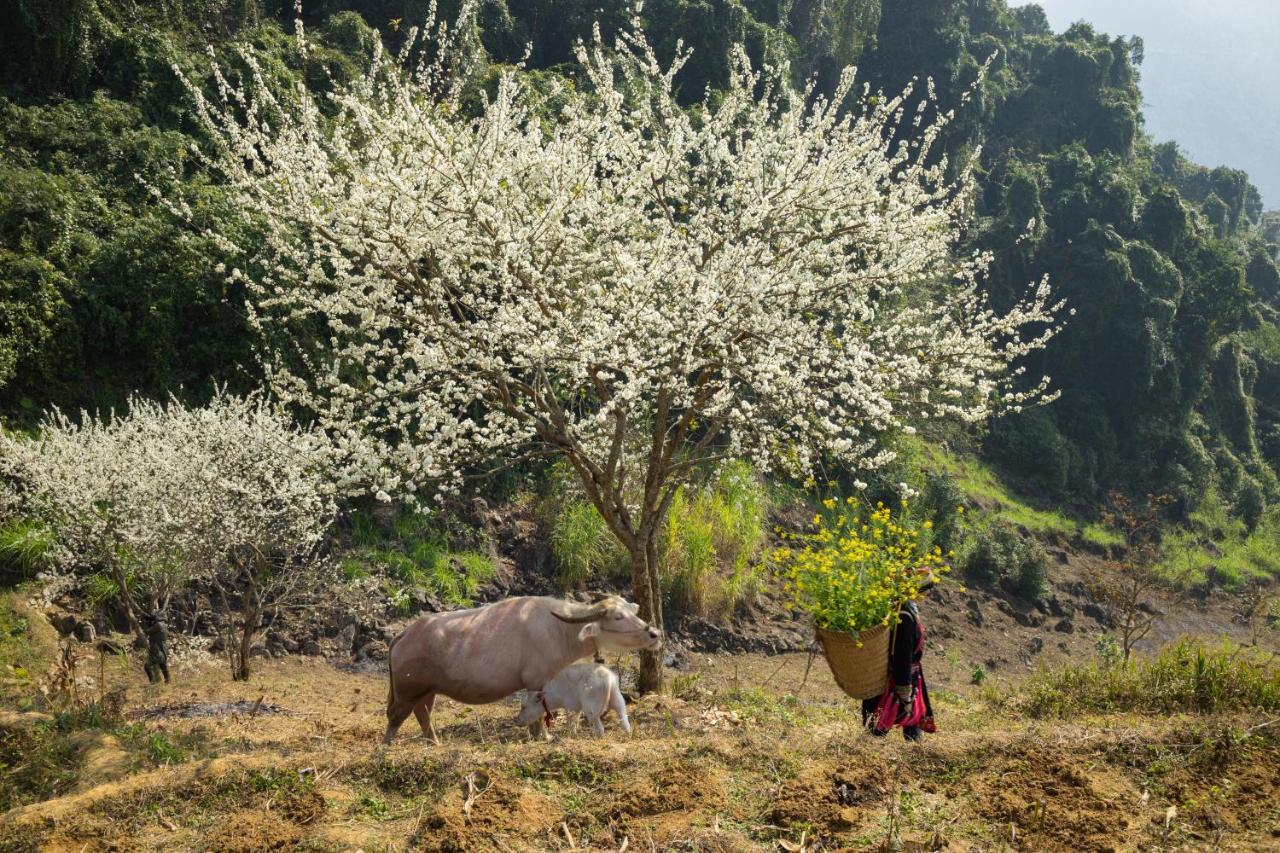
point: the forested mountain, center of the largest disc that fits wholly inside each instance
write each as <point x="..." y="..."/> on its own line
<point x="1169" y="371"/>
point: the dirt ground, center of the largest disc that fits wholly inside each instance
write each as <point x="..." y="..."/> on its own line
<point x="746" y="755"/>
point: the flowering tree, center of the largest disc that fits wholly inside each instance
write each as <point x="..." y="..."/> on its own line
<point x="232" y="494"/>
<point x="600" y="274"/>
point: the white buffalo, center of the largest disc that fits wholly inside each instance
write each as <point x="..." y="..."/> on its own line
<point x="488" y="653"/>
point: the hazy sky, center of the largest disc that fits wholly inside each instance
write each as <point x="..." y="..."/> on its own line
<point x="1211" y="79"/>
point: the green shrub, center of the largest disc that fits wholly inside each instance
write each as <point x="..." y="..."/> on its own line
<point x="940" y="502"/>
<point x="688" y="556"/>
<point x="1251" y="503"/>
<point x="986" y="559"/>
<point x="1185" y="677"/>
<point x="1000" y="553"/>
<point x="1031" y="571"/>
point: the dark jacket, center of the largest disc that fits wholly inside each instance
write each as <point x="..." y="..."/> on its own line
<point x="907" y="648"/>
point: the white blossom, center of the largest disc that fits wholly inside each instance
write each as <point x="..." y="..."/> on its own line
<point x="635" y="286"/>
<point x="166" y="494"/>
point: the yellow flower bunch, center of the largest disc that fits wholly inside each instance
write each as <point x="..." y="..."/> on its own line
<point x="853" y="572"/>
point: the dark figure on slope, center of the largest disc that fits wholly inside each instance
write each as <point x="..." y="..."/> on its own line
<point x="157" y="648"/>
<point x="905" y="701"/>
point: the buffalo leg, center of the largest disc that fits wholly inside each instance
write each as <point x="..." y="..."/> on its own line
<point x="398" y="711"/>
<point x="422" y="710"/>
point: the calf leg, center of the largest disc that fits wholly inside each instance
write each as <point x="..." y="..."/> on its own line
<point x="619" y="706"/>
<point x="422" y="710"/>
<point x="597" y="725"/>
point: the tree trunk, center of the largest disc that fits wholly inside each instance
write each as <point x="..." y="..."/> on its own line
<point x="240" y="670"/>
<point x="250" y="613"/>
<point x="130" y="609"/>
<point x="648" y="593"/>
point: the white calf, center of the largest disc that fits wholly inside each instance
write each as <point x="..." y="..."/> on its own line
<point x="586" y="687"/>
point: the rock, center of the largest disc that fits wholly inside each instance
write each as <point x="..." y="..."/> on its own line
<point x="975" y="613"/>
<point x="1059" y="555"/>
<point x="1094" y="612"/>
<point x="291" y="645"/>
<point x="1060" y="608"/>
<point x="85" y="632"/>
<point x="217" y="644"/>
<point x="373" y="650"/>
<point x="1065" y="627"/>
<point x="65" y="623"/>
<point x="423" y="600"/>
<point x="1036" y="646"/>
<point x="346" y="639"/>
<point x="258" y="650"/>
<point x="311" y="647"/>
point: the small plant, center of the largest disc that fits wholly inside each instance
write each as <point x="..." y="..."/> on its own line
<point x="1123" y="587"/>
<point x="852" y="574"/>
<point x="1108" y="650"/>
<point x="161" y="751"/>
<point x="372" y="806"/>
<point x="978" y="675"/>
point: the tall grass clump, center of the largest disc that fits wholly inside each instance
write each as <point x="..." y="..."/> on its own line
<point x="26" y="546"/>
<point x="1188" y="676"/>
<point x="582" y="546"/>
<point x="712" y="542"/>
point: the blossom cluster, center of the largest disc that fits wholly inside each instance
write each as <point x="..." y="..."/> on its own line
<point x="768" y="274"/>
<point x="164" y="494"/>
<point x="852" y="574"/>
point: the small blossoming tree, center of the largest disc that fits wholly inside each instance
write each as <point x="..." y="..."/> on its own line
<point x="601" y="274"/>
<point x="232" y="494"/>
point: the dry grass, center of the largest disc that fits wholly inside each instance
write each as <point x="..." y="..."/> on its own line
<point x="737" y="762"/>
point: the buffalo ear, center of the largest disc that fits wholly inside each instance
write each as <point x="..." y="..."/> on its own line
<point x="591" y="629"/>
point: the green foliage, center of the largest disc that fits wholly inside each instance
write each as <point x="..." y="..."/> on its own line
<point x="710" y="550"/>
<point x="1109" y="651"/>
<point x="1185" y="677"/>
<point x="942" y="502"/>
<point x="978" y="675"/>
<point x="1216" y="547"/>
<point x="1169" y="370"/>
<point x="413" y="552"/>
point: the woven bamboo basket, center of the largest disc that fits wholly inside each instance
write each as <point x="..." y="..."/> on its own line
<point x="860" y="670"/>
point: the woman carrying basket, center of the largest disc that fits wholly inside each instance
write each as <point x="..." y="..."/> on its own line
<point x="905" y="701"/>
